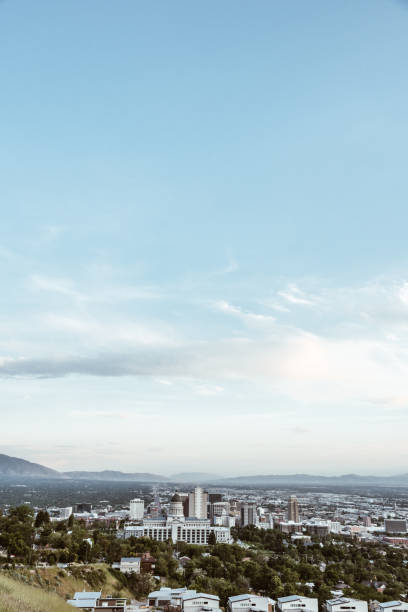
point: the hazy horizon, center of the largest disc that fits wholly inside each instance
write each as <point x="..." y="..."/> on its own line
<point x="203" y="245"/>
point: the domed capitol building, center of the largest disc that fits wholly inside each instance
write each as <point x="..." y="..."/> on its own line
<point x="177" y="527"/>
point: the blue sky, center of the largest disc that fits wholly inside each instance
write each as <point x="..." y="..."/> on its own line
<point x="203" y="235"/>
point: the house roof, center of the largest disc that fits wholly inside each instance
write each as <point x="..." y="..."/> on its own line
<point x="239" y="597"/>
<point x="390" y="604"/>
<point x="87" y="594"/>
<point x="83" y="603"/>
<point x="193" y="595"/>
<point x="130" y="559"/>
<point x="289" y="598"/>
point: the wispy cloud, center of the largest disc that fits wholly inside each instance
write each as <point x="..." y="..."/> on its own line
<point x="245" y="315"/>
<point x="294" y="295"/>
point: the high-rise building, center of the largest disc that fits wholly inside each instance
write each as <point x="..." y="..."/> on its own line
<point x="213" y="498"/>
<point x="248" y="515"/>
<point x="136" y="509"/>
<point x="197" y="503"/>
<point x="293" y="509"/>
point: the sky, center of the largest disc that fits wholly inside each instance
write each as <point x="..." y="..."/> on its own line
<point x="203" y="235"/>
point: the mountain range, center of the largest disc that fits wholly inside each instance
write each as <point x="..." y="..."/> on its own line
<point x="20" y="468"/>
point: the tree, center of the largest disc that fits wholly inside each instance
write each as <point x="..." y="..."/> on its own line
<point x="42" y="518"/>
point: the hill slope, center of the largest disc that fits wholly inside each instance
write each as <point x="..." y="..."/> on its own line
<point x="115" y="476"/>
<point x="18" y="597"/>
<point x="13" y="466"/>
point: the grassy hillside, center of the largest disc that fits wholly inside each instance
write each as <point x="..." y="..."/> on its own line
<point x="18" y="597"/>
<point x="95" y="577"/>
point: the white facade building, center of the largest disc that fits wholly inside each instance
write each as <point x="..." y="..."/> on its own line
<point x="298" y="602"/>
<point x="225" y="520"/>
<point x="178" y="529"/>
<point x="130" y="565"/>
<point x="60" y="514"/>
<point x="245" y="603"/>
<point x="345" y="604"/>
<point x="136" y="509"/>
<point x="393" y="606"/>
<point x="197" y="503"/>
<point x="195" y="602"/>
<point x="165" y="596"/>
<point x="183" y="599"/>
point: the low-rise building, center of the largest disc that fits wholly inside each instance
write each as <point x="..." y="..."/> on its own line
<point x="298" y="603"/>
<point x="93" y="601"/>
<point x="246" y="602"/>
<point x="199" y="602"/>
<point x="343" y="604"/>
<point x="395" y="525"/>
<point x="393" y="606"/>
<point x="178" y="529"/>
<point x="60" y="514"/>
<point x="164" y="596"/>
<point x="130" y="565"/>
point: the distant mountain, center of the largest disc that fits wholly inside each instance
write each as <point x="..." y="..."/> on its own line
<point x="111" y="475"/>
<point x="12" y="466"/>
<point x="193" y="477"/>
<point x="308" y="479"/>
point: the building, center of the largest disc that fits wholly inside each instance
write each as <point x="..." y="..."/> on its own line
<point x="213" y="498"/>
<point x="396" y="541"/>
<point x="318" y="528"/>
<point x="191" y="601"/>
<point x="393" y="606"/>
<point x="130" y="565"/>
<point x="197" y="503"/>
<point x="220" y="508"/>
<point x="245" y="603"/>
<point x="266" y="521"/>
<point x="289" y="527"/>
<point x="60" y="514"/>
<point x="83" y="507"/>
<point x="147" y="563"/>
<point x="163" y="597"/>
<point x="248" y="515"/>
<point x="225" y="520"/>
<point x="176" y="506"/>
<point x="178" y="529"/>
<point x="293" y="509"/>
<point x="395" y="525"/>
<point x="298" y="603"/>
<point x="93" y="601"/>
<point x="136" y="509"/>
<point x="341" y="604"/>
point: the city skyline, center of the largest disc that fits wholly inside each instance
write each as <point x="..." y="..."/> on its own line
<point x="203" y="243"/>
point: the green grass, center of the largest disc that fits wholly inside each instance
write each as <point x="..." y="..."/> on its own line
<point x="18" y="597"/>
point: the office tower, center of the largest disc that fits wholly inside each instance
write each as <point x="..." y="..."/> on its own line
<point x="213" y="498"/>
<point x="136" y="509"/>
<point x="248" y="515"/>
<point x="293" y="509"/>
<point x="197" y="503"/>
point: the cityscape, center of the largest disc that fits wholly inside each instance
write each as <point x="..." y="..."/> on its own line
<point x="161" y="548"/>
<point x="203" y="306"/>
